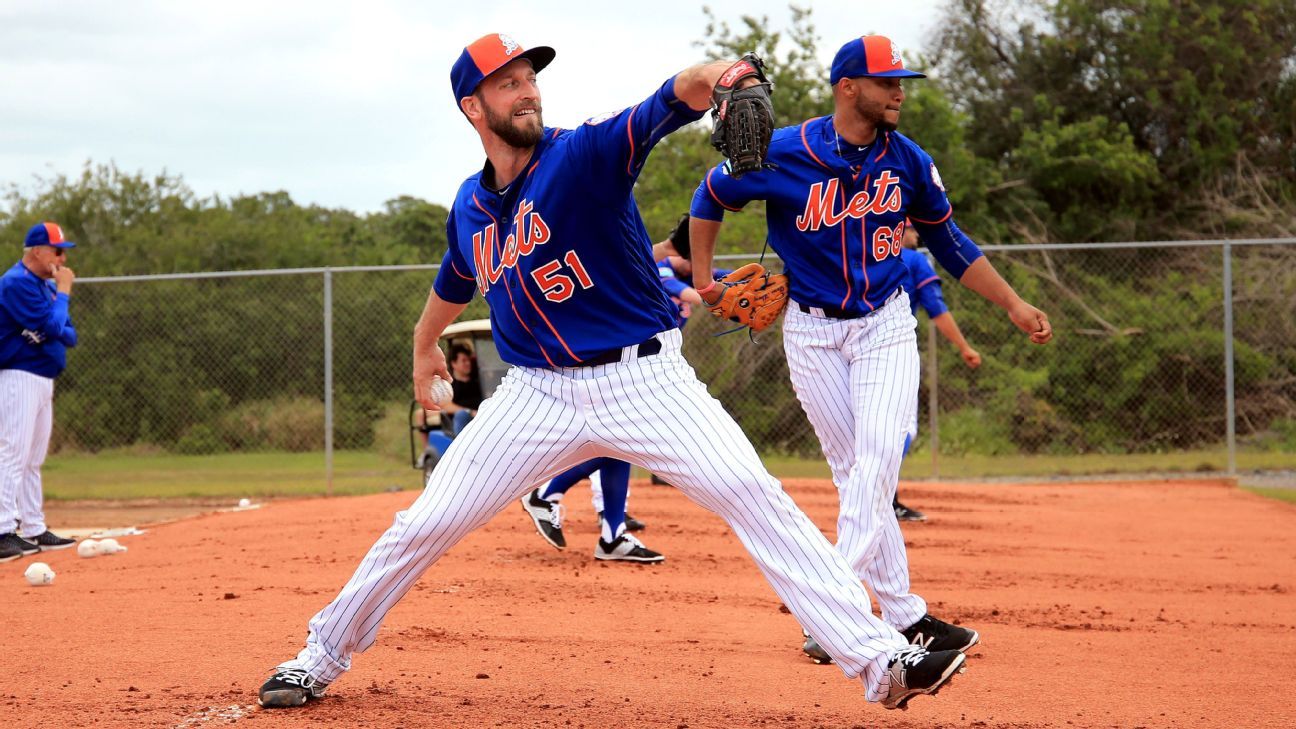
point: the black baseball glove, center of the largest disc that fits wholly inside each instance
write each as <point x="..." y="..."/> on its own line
<point x="679" y="238"/>
<point x="743" y="119"/>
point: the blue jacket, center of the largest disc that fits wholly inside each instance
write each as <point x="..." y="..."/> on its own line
<point x="35" y="329"/>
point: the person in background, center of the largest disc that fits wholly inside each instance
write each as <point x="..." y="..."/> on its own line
<point x="35" y="333"/>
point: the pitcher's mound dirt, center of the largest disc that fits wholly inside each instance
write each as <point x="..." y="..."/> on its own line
<point x="1124" y="605"/>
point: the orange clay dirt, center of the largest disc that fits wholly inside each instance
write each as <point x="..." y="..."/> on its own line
<point x="1100" y="605"/>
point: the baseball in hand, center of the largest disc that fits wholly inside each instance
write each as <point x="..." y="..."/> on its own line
<point x="440" y="391"/>
<point x="88" y="548"/>
<point x="39" y="574"/>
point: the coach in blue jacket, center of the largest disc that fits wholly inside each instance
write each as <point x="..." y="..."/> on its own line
<point x="35" y="332"/>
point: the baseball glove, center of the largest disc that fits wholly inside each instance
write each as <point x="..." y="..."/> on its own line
<point x="742" y="119"/>
<point x="752" y="296"/>
<point x="679" y="238"/>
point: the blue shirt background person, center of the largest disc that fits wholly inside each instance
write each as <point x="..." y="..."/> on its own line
<point x="35" y="332"/>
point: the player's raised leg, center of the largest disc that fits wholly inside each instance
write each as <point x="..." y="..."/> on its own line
<point x="469" y="486"/>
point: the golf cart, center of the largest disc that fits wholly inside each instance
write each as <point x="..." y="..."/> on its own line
<point x="430" y="433"/>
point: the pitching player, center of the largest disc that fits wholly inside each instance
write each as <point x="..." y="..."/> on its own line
<point x="35" y="333"/>
<point x="838" y="190"/>
<point x="548" y="232"/>
<point x="923" y="285"/>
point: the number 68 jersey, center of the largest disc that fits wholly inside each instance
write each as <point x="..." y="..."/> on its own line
<point x="837" y="214"/>
<point x="561" y="254"/>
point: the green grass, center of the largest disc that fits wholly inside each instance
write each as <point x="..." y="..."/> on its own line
<point x="1281" y="494"/>
<point x="133" y="475"/>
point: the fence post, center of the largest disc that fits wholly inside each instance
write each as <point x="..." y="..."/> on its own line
<point x="1230" y="404"/>
<point x="328" y="381"/>
<point x="933" y="380"/>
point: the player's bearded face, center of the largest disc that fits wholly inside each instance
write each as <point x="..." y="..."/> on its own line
<point x="520" y="126"/>
<point x="879" y="102"/>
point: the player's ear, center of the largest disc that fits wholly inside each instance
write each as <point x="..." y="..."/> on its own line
<point x="470" y="106"/>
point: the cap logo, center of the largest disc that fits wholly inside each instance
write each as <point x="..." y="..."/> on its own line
<point x="895" y="54"/>
<point x="510" y="45"/>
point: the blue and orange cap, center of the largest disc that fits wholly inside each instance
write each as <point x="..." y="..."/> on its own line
<point x="47" y="234"/>
<point x="488" y="54"/>
<point x="871" y="55"/>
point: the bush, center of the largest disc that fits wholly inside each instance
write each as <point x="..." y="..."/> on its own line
<point x="199" y="440"/>
<point x="290" y="424"/>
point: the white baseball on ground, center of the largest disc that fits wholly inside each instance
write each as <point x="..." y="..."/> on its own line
<point x="88" y="548"/>
<point x="245" y="503"/>
<point x="110" y="546"/>
<point x="39" y="574"/>
<point x="441" y="391"/>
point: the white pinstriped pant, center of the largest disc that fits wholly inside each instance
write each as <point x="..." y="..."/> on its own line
<point x="857" y="380"/>
<point x="653" y="412"/>
<point x="26" y="420"/>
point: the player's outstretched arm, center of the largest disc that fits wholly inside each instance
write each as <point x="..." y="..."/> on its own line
<point x="429" y="360"/>
<point x="982" y="278"/>
<point x="949" y="329"/>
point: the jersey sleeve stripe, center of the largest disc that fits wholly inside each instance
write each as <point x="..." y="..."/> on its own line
<point x="630" y="136"/>
<point x="806" y="143"/>
<point x="455" y="268"/>
<point x="926" y="281"/>
<point x="943" y="218"/>
<point x="711" y="192"/>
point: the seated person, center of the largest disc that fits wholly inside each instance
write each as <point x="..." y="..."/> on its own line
<point x="467" y="395"/>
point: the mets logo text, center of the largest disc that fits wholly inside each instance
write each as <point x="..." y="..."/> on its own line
<point x="821" y="204"/>
<point x="529" y="231"/>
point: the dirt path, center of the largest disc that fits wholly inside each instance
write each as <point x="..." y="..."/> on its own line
<point x="1153" y="605"/>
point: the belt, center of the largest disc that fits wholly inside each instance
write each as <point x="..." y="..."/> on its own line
<point x="646" y="348"/>
<point x="833" y="312"/>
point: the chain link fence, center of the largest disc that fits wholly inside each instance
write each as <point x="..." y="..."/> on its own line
<point x="318" y="360"/>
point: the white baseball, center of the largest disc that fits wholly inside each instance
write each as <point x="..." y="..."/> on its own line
<point x="245" y="503"/>
<point x="39" y="574"/>
<point x="441" y="391"/>
<point x="110" y="546"/>
<point x="88" y="548"/>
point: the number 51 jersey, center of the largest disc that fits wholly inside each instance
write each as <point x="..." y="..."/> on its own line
<point x="561" y="254"/>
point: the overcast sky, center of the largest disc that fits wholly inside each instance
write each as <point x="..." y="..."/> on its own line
<point x="343" y="104"/>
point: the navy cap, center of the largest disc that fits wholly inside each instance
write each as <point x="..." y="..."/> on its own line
<point x="488" y="54"/>
<point x="874" y="56"/>
<point x="46" y="234"/>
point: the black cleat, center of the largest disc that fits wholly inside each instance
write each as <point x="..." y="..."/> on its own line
<point x="13" y="546"/>
<point x="49" y="541"/>
<point x="815" y="651"/>
<point x="631" y="524"/>
<point x="547" y="516"/>
<point x="625" y="548"/>
<point x="289" y="687"/>
<point x="915" y="671"/>
<point x="904" y="513"/>
<point x="938" y="635"/>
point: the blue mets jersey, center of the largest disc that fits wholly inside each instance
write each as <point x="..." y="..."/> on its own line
<point x="923" y="285"/>
<point x="35" y="329"/>
<point x="561" y="254"/>
<point x="836" y="217"/>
